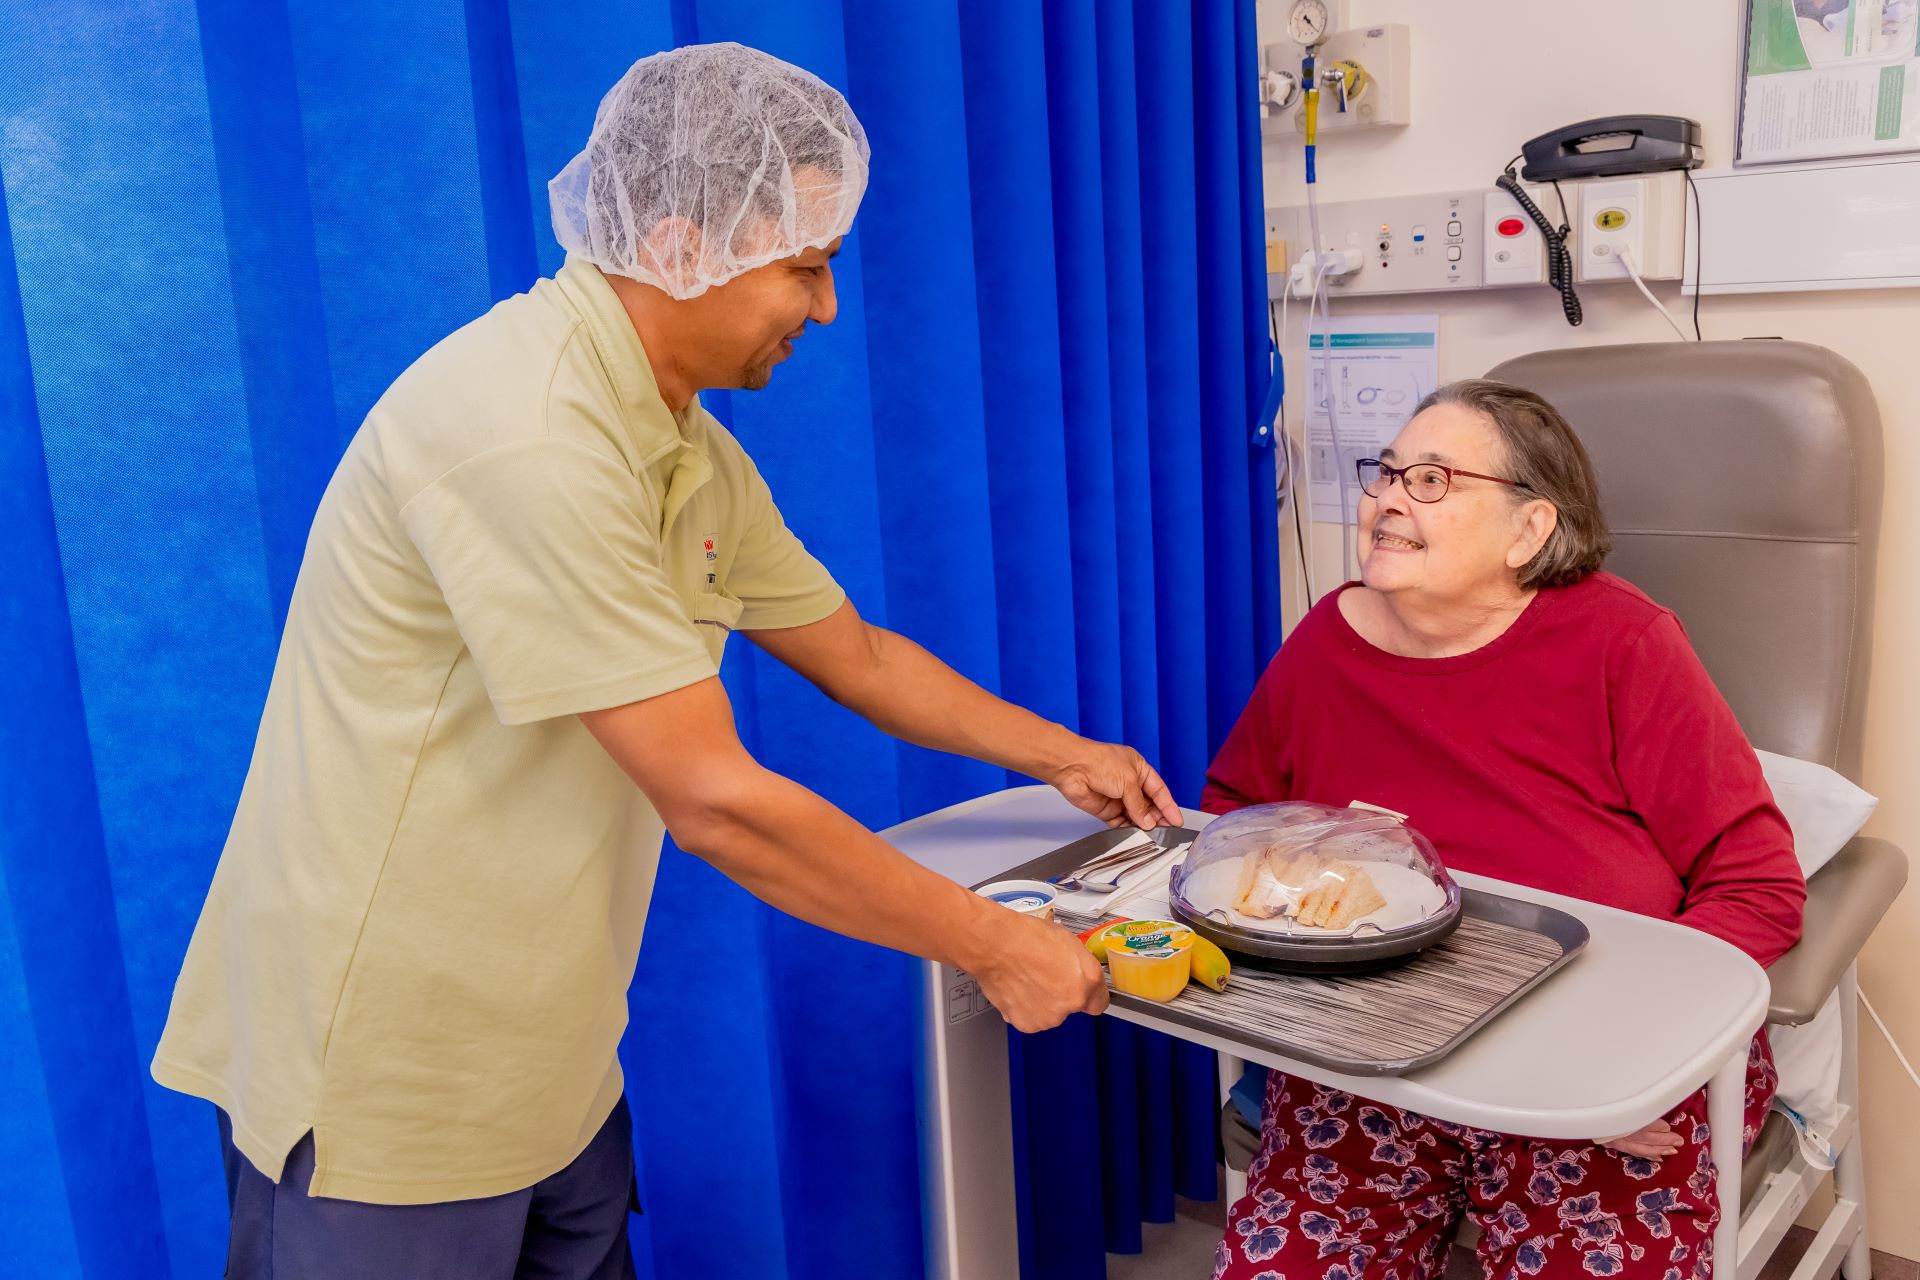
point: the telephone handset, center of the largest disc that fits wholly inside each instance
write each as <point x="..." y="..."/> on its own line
<point x="1603" y="148"/>
<point x="1612" y="146"/>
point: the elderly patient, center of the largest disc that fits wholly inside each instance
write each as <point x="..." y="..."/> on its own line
<point x="1545" y="723"/>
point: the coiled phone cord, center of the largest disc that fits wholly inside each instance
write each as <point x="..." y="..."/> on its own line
<point x="1559" y="258"/>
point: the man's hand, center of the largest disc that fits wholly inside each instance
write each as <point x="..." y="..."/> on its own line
<point x="1040" y="974"/>
<point x="1655" y="1142"/>
<point x="1116" y="785"/>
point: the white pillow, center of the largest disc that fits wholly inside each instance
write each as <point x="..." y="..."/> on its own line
<point x="1823" y="808"/>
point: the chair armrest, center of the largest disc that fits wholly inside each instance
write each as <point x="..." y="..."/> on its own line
<point x="1845" y="901"/>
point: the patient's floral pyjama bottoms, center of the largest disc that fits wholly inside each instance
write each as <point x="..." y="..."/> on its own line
<point x="1347" y="1189"/>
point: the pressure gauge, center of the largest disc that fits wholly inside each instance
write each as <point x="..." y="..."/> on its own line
<point x="1307" y="22"/>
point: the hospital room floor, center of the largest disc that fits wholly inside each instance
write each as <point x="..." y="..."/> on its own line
<point x="1183" y="1250"/>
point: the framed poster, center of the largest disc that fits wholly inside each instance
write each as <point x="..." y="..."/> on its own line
<point x="1825" y="79"/>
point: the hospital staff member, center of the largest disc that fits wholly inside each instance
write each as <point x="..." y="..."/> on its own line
<point x="497" y="689"/>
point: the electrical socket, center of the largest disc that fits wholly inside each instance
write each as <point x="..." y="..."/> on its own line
<point x="1645" y="215"/>
<point x="1612" y="220"/>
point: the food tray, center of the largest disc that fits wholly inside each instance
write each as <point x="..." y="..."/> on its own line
<point x="1374" y="1024"/>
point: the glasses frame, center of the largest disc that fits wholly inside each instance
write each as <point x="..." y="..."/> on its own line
<point x="1390" y="473"/>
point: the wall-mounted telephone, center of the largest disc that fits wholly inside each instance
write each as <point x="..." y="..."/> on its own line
<point x="1605" y="148"/>
<point x="1612" y="146"/>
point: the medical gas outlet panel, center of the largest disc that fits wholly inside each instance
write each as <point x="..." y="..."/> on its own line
<point x="1410" y="244"/>
<point x="1361" y="74"/>
<point x="1482" y="239"/>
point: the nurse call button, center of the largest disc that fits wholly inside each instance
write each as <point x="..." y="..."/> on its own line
<point x="1610" y="219"/>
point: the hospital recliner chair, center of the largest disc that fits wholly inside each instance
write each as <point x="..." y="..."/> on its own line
<point x="1743" y="483"/>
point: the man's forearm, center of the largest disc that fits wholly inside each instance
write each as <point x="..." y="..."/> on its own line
<point x="795" y="851"/>
<point x="912" y="695"/>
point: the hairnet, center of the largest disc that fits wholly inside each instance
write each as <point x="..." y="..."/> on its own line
<point x="745" y="158"/>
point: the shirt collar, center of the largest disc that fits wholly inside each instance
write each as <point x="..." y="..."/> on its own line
<point x="657" y="432"/>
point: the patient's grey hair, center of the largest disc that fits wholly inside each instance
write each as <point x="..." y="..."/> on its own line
<point x="1544" y="454"/>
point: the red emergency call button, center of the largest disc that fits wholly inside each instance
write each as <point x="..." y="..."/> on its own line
<point x="1510" y="227"/>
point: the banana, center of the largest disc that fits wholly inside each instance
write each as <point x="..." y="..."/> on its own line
<point x="1210" y="966"/>
<point x="1096" y="939"/>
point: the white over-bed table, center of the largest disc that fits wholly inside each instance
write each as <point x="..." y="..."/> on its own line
<point x="1644" y="1016"/>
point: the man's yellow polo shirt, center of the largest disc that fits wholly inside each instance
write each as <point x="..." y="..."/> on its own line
<point x="420" y="935"/>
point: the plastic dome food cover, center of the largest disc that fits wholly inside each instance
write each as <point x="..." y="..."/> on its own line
<point x="1295" y="868"/>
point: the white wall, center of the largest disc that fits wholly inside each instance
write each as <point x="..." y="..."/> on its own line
<point x="1489" y="74"/>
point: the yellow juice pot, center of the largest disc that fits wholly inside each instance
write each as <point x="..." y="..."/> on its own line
<point x="1152" y="959"/>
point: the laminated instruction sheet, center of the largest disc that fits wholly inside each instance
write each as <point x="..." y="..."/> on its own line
<point x="1829" y="78"/>
<point x="1380" y="368"/>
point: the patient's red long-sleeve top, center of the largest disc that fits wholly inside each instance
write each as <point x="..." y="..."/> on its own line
<point x="1585" y="752"/>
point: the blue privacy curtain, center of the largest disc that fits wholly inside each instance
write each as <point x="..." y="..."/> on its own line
<point x="226" y="226"/>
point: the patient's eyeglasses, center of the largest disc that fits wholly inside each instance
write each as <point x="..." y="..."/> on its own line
<point x="1424" y="481"/>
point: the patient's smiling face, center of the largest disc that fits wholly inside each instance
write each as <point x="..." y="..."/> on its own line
<point x="1467" y="546"/>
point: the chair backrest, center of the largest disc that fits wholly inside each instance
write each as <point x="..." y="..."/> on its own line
<point x="1742" y="482"/>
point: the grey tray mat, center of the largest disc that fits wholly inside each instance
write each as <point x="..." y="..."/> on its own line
<point x="1384" y="1023"/>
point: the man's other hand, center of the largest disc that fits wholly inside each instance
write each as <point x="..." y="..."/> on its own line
<point x="1116" y="785"/>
